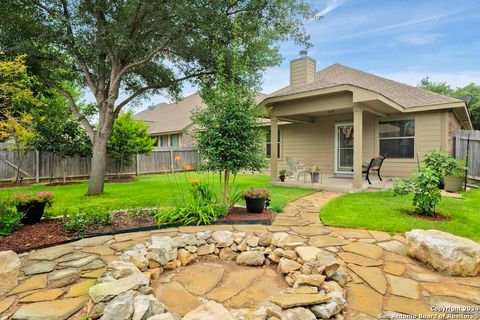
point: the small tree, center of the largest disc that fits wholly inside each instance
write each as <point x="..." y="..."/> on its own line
<point x="129" y="137"/>
<point x="19" y="131"/>
<point x="227" y="134"/>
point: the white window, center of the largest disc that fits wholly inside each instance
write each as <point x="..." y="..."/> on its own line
<point x="397" y="139"/>
<point x="268" y="143"/>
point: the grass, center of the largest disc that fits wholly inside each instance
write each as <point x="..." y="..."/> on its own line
<point x="385" y="212"/>
<point x="147" y="191"/>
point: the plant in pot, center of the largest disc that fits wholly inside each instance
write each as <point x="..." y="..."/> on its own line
<point x="454" y="175"/>
<point x="32" y="205"/>
<point x="256" y="198"/>
<point x="437" y="161"/>
<point x="282" y="174"/>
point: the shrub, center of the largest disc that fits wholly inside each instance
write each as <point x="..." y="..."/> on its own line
<point x="10" y="218"/>
<point x="77" y="222"/>
<point x="441" y="164"/>
<point x="257" y="193"/>
<point x="424" y="186"/>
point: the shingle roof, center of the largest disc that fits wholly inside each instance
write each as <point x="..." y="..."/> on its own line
<point x="174" y="117"/>
<point x="337" y="74"/>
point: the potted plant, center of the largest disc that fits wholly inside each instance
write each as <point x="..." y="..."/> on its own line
<point x="282" y="175"/>
<point x="32" y="205"/>
<point x="454" y="175"/>
<point x="256" y="199"/>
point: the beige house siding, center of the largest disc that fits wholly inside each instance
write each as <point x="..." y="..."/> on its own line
<point x="453" y="124"/>
<point x="315" y="143"/>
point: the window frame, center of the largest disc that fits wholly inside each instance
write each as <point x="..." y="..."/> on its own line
<point x="414" y="137"/>
<point x="279" y="144"/>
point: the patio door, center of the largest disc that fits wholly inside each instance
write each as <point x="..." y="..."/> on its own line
<point x="344" y="148"/>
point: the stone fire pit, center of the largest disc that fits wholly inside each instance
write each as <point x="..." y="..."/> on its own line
<point x="237" y="276"/>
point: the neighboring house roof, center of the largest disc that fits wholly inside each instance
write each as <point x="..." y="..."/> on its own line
<point x="174" y="117"/>
<point x="337" y="74"/>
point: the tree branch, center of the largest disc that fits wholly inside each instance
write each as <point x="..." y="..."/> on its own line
<point x="152" y="87"/>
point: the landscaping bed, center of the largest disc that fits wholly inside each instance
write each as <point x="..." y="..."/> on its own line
<point x="52" y="231"/>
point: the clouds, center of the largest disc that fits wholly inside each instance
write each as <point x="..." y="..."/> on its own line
<point x="330" y="6"/>
<point x="419" y="39"/>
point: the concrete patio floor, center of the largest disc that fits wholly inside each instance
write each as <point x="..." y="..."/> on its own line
<point x="382" y="278"/>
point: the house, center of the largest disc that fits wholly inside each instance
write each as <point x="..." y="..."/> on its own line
<point x="171" y="124"/>
<point x="340" y="117"/>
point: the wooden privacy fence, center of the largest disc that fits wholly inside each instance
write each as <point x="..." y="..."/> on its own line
<point x="467" y="142"/>
<point x="38" y="165"/>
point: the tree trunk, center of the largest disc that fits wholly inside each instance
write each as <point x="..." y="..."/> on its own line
<point x="99" y="165"/>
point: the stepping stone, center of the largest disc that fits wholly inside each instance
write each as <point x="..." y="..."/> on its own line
<point x="32" y="283"/>
<point x="289" y="221"/>
<point x="176" y="298"/>
<point x="311" y="231"/>
<point x="372" y="275"/>
<point x="91" y="242"/>
<point x="327" y="241"/>
<point x="354" y="258"/>
<point x="394" y="257"/>
<point x="200" y="279"/>
<point x="362" y="298"/>
<point x="45" y="295"/>
<point x="62" y="278"/>
<point x="95" y="274"/>
<point x="94" y="265"/>
<point x="278" y="228"/>
<point x="407" y="306"/>
<point x="122" y="246"/>
<point x="352" y="233"/>
<point x="6" y="303"/>
<point x="365" y="249"/>
<point x="457" y="291"/>
<point x="80" y="288"/>
<point x="394" y="246"/>
<point x="50" y="253"/>
<point x="131" y="236"/>
<point x="77" y="263"/>
<point x="251" y="228"/>
<point x="404" y="287"/>
<point x="422" y="275"/>
<point x="298" y="299"/>
<point x="396" y="269"/>
<point x="57" y="309"/>
<point x="40" y="267"/>
<point x="380" y="235"/>
<point x="99" y="250"/>
<point x="235" y="282"/>
<point x="73" y="256"/>
<point x="260" y="290"/>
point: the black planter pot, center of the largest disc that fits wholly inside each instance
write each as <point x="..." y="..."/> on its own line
<point x="33" y="212"/>
<point x="255" y="205"/>
<point x="282" y="178"/>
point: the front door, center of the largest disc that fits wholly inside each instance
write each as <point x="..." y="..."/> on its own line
<point x="344" y="148"/>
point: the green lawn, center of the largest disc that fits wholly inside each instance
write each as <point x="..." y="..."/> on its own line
<point x="385" y="212"/>
<point x="148" y="191"/>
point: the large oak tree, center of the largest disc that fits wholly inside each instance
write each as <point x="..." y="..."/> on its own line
<point x="124" y="50"/>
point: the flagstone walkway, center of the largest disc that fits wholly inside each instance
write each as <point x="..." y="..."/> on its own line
<point x="383" y="278"/>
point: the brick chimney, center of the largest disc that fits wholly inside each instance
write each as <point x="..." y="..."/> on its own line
<point x="302" y="70"/>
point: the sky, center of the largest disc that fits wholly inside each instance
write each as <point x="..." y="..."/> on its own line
<point x="404" y="40"/>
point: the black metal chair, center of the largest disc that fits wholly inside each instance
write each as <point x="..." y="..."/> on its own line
<point x="374" y="166"/>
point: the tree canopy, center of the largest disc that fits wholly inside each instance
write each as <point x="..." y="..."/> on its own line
<point x="472" y="90"/>
<point x="123" y="51"/>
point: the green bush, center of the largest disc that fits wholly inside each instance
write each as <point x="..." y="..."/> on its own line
<point x="424" y="186"/>
<point x="77" y="222"/>
<point x="10" y="218"/>
<point x="441" y="164"/>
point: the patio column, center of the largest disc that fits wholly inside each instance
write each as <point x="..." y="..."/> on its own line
<point x="357" y="145"/>
<point x="273" y="148"/>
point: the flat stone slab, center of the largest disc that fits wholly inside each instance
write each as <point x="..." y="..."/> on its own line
<point x="235" y="282"/>
<point x="311" y="231"/>
<point x="352" y="233"/>
<point x="365" y="249"/>
<point x="91" y="242"/>
<point x="298" y="299"/>
<point x="307" y="253"/>
<point x="99" y="250"/>
<point x="176" y="298"/>
<point x="40" y="267"/>
<point x="372" y="275"/>
<point x="364" y="299"/>
<point x="327" y="241"/>
<point x="451" y="290"/>
<point x="32" y="283"/>
<point x="380" y="235"/>
<point x="77" y="263"/>
<point x="6" y="303"/>
<point x="393" y="246"/>
<point x="50" y="253"/>
<point x="263" y="288"/>
<point x="44" y="295"/>
<point x="404" y="287"/>
<point x="354" y="258"/>
<point x="405" y="305"/>
<point x="80" y="288"/>
<point x="50" y="310"/>
<point x="201" y="278"/>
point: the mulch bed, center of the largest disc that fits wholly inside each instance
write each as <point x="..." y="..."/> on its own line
<point x="13" y="185"/>
<point x="121" y="179"/>
<point x="49" y="232"/>
<point x="435" y="217"/>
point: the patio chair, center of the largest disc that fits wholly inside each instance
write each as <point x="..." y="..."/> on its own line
<point x="297" y="169"/>
<point x="374" y="166"/>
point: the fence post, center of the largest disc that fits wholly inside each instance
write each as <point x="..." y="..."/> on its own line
<point x="171" y="160"/>
<point x="137" y="164"/>
<point x="37" y="166"/>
